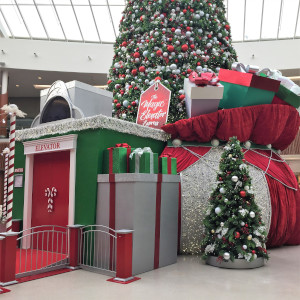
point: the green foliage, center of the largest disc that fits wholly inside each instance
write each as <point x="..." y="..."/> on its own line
<point x="148" y="40"/>
<point x="233" y="223"/>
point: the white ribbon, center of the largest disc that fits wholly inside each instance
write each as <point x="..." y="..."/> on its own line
<point x="286" y="82"/>
<point x="244" y="69"/>
<point x="138" y="153"/>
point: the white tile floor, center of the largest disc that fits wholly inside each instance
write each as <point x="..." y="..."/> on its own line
<point x="189" y="279"/>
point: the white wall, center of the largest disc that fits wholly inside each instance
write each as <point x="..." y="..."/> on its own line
<point x="73" y="57"/>
<point x="277" y="54"/>
<point x="56" y="56"/>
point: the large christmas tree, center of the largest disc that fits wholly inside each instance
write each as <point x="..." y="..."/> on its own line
<point x="233" y="225"/>
<point x="166" y="40"/>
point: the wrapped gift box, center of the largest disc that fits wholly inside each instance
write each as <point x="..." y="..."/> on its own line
<point x="149" y="208"/>
<point x="201" y="100"/>
<point x="246" y="89"/>
<point x="288" y="96"/>
<point x="116" y="159"/>
<point x="146" y="163"/>
<point x="168" y="165"/>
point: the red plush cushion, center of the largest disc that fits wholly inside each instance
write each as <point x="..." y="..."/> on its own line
<point x="262" y="124"/>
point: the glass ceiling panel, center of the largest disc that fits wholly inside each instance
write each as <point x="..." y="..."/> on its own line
<point x="270" y="19"/>
<point x="3" y="23"/>
<point x="236" y="18"/>
<point x="116" y="2"/>
<point x="22" y="1"/>
<point x="249" y="19"/>
<point x="33" y="21"/>
<point x="85" y="2"/>
<point x="116" y="12"/>
<point x="288" y="18"/>
<point x="14" y="21"/>
<point x="51" y="22"/>
<point x="104" y="24"/>
<point x="86" y="23"/>
<point x="68" y="22"/>
<point x="252" y="21"/>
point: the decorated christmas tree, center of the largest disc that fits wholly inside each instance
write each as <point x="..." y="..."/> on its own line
<point x="165" y="40"/>
<point x="233" y="224"/>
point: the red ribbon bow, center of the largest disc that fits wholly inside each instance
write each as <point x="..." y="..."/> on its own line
<point x="204" y="79"/>
<point x="123" y="145"/>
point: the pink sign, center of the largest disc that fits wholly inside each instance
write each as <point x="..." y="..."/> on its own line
<point x="154" y="106"/>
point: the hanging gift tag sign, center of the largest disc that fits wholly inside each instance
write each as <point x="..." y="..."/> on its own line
<point x="154" y="106"/>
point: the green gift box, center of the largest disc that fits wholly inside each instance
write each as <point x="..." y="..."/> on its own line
<point x="143" y="161"/>
<point x="116" y="159"/>
<point x="288" y="96"/>
<point x="168" y="165"/>
<point x="246" y="89"/>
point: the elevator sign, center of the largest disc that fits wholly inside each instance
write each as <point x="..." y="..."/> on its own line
<point x="154" y="106"/>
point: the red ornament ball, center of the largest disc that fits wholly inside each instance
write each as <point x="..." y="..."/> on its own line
<point x="181" y="97"/>
<point x="209" y="36"/>
<point x="157" y="78"/>
<point x="124" y="44"/>
<point x="243" y="194"/>
<point x="109" y="81"/>
<point x="159" y="53"/>
<point x="184" y="11"/>
<point x="115" y="100"/>
<point x="142" y="69"/>
<point x="173" y="29"/>
<point x="136" y="55"/>
<point x="134" y="72"/>
<point x="184" y="47"/>
<point x="170" y="48"/>
<point x="189" y="71"/>
<point x="118" y="105"/>
<point x="133" y="103"/>
<point x="253" y="252"/>
<point x="220" y="179"/>
<point x="237" y="235"/>
<point x="227" y="27"/>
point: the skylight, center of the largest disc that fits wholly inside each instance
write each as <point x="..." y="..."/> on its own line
<point x="98" y="20"/>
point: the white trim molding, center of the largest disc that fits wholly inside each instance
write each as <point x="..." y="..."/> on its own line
<point x="59" y="143"/>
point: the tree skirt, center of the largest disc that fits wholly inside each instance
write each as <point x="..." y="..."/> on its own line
<point x="274" y="185"/>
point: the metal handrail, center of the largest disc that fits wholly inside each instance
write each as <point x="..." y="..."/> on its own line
<point x="37" y="232"/>
<point x="100" y="231"/>
<point x="43" y="226"/>
<point x="97" y="226"/>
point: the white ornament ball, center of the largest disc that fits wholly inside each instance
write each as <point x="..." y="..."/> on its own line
<point x="226" y="256"/>
<point x="197" y="17"/>
<point x="218" y="210"/>
<point x="242" y="166"/>
<point x="173" y="67"/>
<point x="219" y="236"/>
<point x="125" y="103"/>
<point x="225" y="200"/>
<point x="201" y="13"/>
<point x="246" y="188"/>
<point x="188" y="33"/>
<point x="176" y="142"/>
<point x="248" y="144"/>
<point x="177" y="31"/>
<point x="242" y="223"/>
<point x="255" y="256"/>
<point x="124" y="116"/>
<point x="234" y="178"/>
<point x="221" y="224"/>
<point x="222" y="190"/>
<point x="269" y="146"/>
<point x="245" y="247"/>
<point x="198" y="68"/>
<point x="215" y="142"/>
<point x="252" y="214"/>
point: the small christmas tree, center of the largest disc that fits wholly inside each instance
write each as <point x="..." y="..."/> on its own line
<point x="233" y="223"/>
<point x="165" y="40"/>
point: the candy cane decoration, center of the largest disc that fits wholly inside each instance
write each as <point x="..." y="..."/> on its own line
<point x="50" y="194"/>
<point x="13" y="111"/>
<point x="5" y="152"/>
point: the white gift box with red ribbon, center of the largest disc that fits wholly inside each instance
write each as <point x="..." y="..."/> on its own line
<point x="201" y="100"/>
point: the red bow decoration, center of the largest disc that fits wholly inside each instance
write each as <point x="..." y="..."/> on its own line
<point x="204" y="79"/>
<point x="123" y="145"/>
